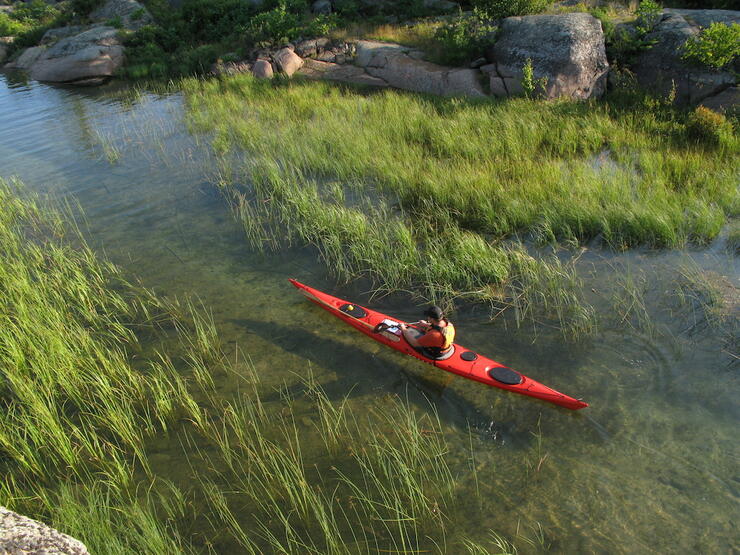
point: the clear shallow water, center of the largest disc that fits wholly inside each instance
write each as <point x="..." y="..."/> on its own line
<point x="651" y="466"/>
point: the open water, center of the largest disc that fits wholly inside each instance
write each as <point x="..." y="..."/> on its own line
<point x="651" y="467"/>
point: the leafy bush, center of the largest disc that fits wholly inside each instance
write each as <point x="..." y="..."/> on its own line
<point x="498" y="9"/>
<point x="717" y="46"/>
<point x="214" y="20"/>
<point x="648" y="15"/>
<point x="277" y="25"/>
<point x="115" y="22"/>
<point x="9" y="27"/>
<point x="531" y="85"/>
<point x="709" y="127"/>
<point x="321" y="25"/>
<point x="34" y="12"/>
<point x="464" y="38"/>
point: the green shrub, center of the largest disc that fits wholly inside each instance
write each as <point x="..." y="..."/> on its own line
<point x="708" y="127"/>
<point x="464" y="38"/>
<point x="648" y="15"/>
<point x="138" y="14"/>
<point x="115" y="22"/>
<point x="214" y="20"/>
<point x="531" y="85"/>
<point x="277" y="25"/>
<point x="717" y="46"/>
<point x="321" y="25"/>
<point x="498" y="9"/>
<point x="10" y="27"/>
<point x="34" y="12"/>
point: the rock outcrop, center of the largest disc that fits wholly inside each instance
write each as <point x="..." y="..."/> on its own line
<point x="567" y="50"/>
<point x="404" y="68"/>
<point x="661" y="70"/>
<point x="130" y="13"/>
<point x="27" y="58"/>
<point x="22" y="535"/>
<point x="89" y="58"/>
<point x="262" y="69"/>
<point x="287" y="61"/>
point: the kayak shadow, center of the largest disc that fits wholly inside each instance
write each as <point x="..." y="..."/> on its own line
<point x="361" y="372"/>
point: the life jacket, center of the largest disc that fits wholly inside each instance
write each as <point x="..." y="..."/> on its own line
<point x="448" y="335"/>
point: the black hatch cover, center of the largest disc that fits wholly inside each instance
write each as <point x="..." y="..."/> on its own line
<point x="505" y="375"/>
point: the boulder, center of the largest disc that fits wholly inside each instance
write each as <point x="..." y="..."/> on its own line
<point x="311" y="47"/>
<point x="133" y="16"/>
<point x="567" y="50"/>
<point x="54" y="35"/>
<point x="27" y="58"/>
<point x="262" y="69"/>
<point x="403" y="68"/>
<point x="3" y="52"/>
<point x="88" y="58"/>
<point x="20" y="534"/>
<point x="315" y="69"/>
<point x="321" y="7"/>
<point x="287" y="61"/>
<point x="661" y="70"/>
<point x="726" y="101"/>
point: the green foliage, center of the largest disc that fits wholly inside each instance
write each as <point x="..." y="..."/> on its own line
<point x="648" y="15"/>
<point x="463" y="38"/>
<point x="709" y="127"/>
<point x="498" y="9"/>
<point x="138" y="14"/>
<point x="9" y="27"/>
<point x="115" y="22"/>
<point x="717" y="46"/>
<point x="277" y="25"/>
<point x="321" y="25"/>
<point x="214" y="20"/>
<point x="531" y="85"/>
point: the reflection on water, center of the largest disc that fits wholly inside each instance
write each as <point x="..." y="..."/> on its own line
<point x="650" y="467"/>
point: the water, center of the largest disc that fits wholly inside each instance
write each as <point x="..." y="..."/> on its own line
<point x="651" y="466"/>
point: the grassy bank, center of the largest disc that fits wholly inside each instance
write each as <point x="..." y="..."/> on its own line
<point x="434" y="195"/>
<point x="112" y="430"/>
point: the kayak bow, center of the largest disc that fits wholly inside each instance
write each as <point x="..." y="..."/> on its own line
<point x="462" y="361"/>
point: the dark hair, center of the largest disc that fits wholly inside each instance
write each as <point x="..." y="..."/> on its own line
<point x="434" y="312"/>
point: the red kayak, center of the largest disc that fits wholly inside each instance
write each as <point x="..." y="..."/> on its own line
<point x="460" y="360"/>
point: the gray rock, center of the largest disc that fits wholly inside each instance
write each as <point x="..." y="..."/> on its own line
<point x="567" y="50"/>
<point x="321" y="7"/>
<point x="88" y="58"/>
<point x="27" y="58"/>
<point x="53" y="35"/>
<point x="287" y="61"/>
<point x="662" y="71"/>
<point x="262" y="69"/>
<point x="311" y="47"/>
<point x="22" y="535"/>
<point x="401" y="67"/>
<point x="315" y="69"/>
<point x="728" y="101"/>
<point x="478" y="63"/>
<point x="133" y="15"/>
<point x="704" y="18"/>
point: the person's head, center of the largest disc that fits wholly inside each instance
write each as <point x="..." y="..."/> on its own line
<point x="434" y="313"/>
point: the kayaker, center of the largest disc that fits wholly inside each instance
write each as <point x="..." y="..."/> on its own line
<point x="435" y="336"/>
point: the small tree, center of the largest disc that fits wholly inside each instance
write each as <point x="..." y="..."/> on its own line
<point x="529" y="83"/>
<point x="717" y="46"/>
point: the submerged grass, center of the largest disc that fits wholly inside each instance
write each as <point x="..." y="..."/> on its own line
<point x="87" y="400"/>
<point x="435" y="195"/>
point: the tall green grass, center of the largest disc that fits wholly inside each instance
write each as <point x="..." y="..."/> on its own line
<point x="434" y="196"/>
<point x="497" y="168"/>
<point x="97" y="376"/>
